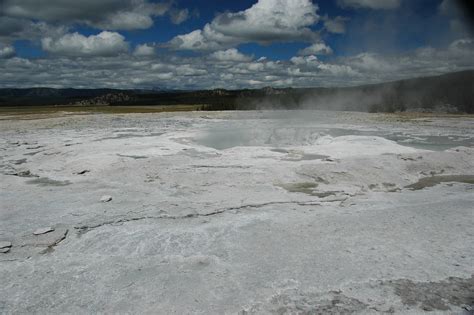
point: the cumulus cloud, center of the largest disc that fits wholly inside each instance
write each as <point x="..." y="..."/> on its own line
<point x="370" y="4"/>
<point x="231" y="54"/>
<point x="195" y="41"/>
<point x="77" y="45"/>
<point x="316" y="49"/>
<point x="144" y="51"/>
<point x="6" y="51"/>
<point x="265" y="22"/>
<point x="104" y="14"/>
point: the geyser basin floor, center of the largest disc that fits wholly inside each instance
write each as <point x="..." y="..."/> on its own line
<point x="295" y="219"/>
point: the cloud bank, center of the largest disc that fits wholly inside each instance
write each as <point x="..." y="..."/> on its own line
<point x="228" y="69"/>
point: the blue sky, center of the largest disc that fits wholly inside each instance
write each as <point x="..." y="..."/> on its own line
<point x="248" y="43"/>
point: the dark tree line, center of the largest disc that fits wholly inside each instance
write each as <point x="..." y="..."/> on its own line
<point x="454" y="92"/>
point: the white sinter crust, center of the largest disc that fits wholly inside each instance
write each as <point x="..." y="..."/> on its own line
<point x="227" y="212"/>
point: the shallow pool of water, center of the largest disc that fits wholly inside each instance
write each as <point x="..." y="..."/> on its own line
<point x="236" y="134"/>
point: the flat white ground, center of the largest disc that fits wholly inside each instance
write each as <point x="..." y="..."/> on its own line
<point x="237" y="212"/>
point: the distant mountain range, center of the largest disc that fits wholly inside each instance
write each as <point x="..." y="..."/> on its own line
<point x="453" y="92"/>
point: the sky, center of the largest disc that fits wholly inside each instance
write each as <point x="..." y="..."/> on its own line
<point x="191" y="44"/>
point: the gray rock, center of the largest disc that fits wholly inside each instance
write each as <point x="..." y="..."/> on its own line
<point x="18" y="162"/>
<point x="5" y="247"/>
<point x="4" y="250"/>
<point x="106" y="198"/>
<point x="43" y="230"/>
<point x="49" y="239"/>
<point x="5" y="244"/>
<point x="82" y="172"/>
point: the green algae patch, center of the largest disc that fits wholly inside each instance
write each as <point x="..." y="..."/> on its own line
<point x="304" y="187"/>
<point x="45" y="181"/>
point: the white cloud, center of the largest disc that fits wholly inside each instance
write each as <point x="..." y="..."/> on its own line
<point x="269" y="20"/>
<point x="77" y="45"/>
<point x="338" y="70"/>
<point x="265" y="22"/>
<point x="311" y="66"/>
<point x="336" y="25"/>
<point x="6" y="51"/>
<point x="188" y="70"/>
<point x="370" y="4"/>
<point x="316" y="49"/>
<point x="144" y="51"/>
<point x="256" y="66"/>
<point x="194" y="41"/>
<point x="231" y="54"/>
<point x="304" y="60"/>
